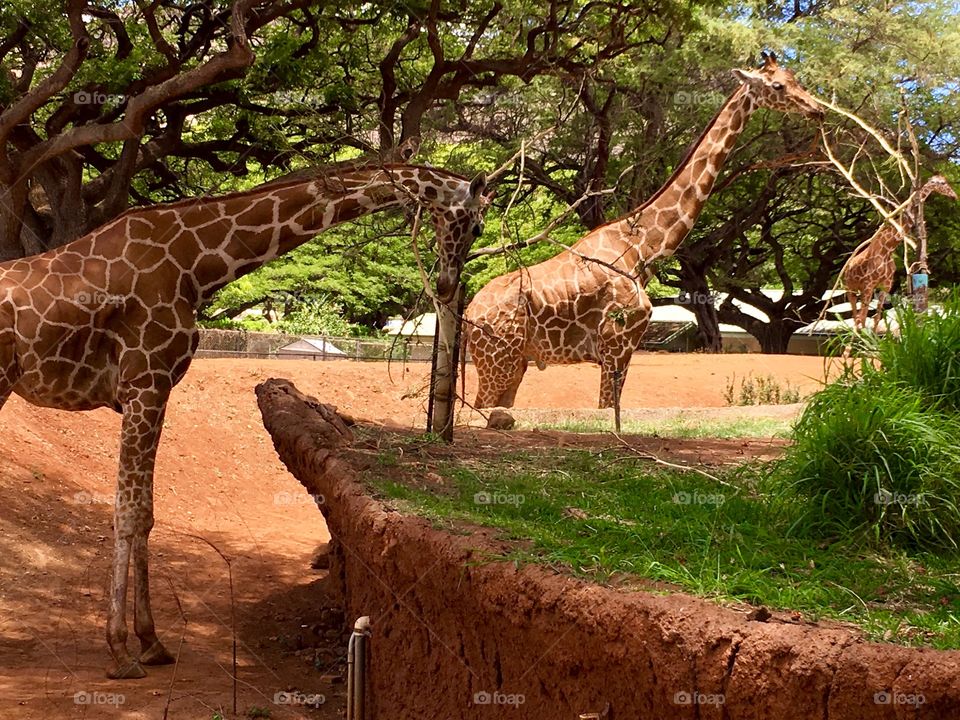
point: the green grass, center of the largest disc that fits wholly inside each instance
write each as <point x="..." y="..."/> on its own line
<point x="673" y="427"/>
<point x="599" y="514"/>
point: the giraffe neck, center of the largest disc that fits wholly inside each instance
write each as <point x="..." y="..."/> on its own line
<point x="887" y="238"/>
<point x="217" y="240"/>
<point x="656" y="229"/>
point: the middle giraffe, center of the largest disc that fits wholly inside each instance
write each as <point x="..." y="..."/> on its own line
<point x="587" y="304"/>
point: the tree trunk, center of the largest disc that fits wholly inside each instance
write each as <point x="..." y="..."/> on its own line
<point x="773" y="336"/>
<point x="443" y="385"/>
<point x="13" y="200"/>
<point x="697" y="297"/>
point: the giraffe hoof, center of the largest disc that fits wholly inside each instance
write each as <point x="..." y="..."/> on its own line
<point x="127" y="670"/>
<point x="156" y="654"/>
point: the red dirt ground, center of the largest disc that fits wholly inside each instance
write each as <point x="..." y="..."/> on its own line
<point x="219" y="479"/>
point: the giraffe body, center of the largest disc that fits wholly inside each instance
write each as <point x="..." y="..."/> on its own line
<point x="872" y="268"/>
<point x="109" y="320"/>
<point x="587" y="304"/>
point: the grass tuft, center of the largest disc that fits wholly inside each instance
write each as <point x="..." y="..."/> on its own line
<point x="878" y="451"/>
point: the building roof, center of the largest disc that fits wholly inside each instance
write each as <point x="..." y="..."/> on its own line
<point x="424" y="325"/>
<point x="311" y="346"/>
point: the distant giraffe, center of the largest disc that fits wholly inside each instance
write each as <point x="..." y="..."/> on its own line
<point x="109" y="320"/>
<point x="873" y="267"/>
<point x="587" y="304"/>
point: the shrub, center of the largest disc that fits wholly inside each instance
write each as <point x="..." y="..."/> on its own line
<point x="762" y="390"/>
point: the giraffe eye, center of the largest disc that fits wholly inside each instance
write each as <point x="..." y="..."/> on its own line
<point x="477" y="230"/>
<point x="777" y="86"/>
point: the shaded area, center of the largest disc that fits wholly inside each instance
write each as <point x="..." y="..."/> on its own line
<point x="218" y="479"/>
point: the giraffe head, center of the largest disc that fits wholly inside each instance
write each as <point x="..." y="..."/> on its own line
<point x="938" y="184"/>
<point x="776" y="88"/>
<point x="458" y="222"/>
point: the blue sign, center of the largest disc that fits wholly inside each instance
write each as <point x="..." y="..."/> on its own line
<point x="920" y="280"/>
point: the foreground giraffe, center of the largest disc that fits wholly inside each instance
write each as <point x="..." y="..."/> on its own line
<point x="587" y="304"/>
<point x="873" y="267"/>
<point x="109" y="320"/>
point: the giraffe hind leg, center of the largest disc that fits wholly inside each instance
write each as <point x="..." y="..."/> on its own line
<point x="498" y="376"/>
<point x="509" y="395"/>
<point x="7" y="369"/>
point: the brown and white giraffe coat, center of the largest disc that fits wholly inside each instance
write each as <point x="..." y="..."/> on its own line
<point x="587" y="304"/>
<point x="873" y="267"/>
<point x="109" y="319"/>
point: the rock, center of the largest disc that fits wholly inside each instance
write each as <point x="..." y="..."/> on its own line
<point x="500" y="420"/>
<point x="321" y="557"/>
<point x="332" y="617"/>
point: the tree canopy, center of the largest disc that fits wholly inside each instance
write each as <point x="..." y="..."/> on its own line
<point x="118" y="102"/>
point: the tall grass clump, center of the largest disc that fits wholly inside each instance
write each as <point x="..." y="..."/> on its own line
<point x="877" y="452"/>
<point x="924" y="354"/>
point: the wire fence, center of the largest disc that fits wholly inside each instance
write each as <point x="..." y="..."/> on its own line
<point x="276" y="346"/>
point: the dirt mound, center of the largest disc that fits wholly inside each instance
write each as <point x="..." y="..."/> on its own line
<point x="454" y="635"/>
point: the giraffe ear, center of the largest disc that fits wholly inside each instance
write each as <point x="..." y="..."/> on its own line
<point x="743" y="76"/>
<point x="478" y="185"/>
<point x="409" y="148"/>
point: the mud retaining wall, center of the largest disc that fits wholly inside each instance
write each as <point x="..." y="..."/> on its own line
<point x="455" y="636"/>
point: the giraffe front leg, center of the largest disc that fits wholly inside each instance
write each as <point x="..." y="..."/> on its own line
<point x="854" y="307"/>
<point x="133" y="520"/>
<point x="864" y="312"/>
<point x="617" y="338"/>
<point x="881" y="300"/>
<point x="613" y="374"/>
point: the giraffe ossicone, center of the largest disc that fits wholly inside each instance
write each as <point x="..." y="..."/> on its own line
<point x="109" y="320"/>
<point x="872" y="268"/>
<point x="587" y="304"/>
